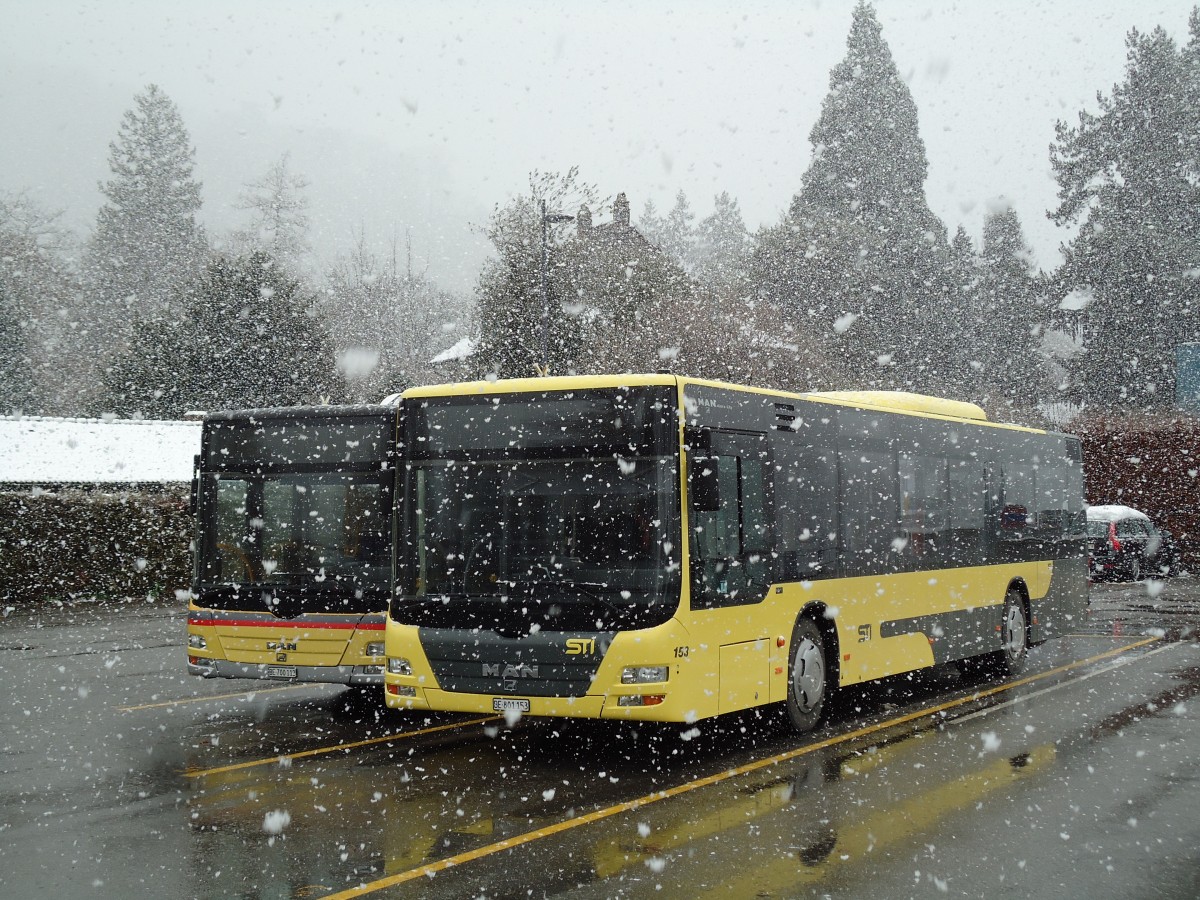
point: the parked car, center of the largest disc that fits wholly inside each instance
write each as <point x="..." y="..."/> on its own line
<point x="1124" y="545"/>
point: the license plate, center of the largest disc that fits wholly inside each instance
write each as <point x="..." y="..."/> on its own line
<point x="281" y="671"/>
<point x="508" y="704"/>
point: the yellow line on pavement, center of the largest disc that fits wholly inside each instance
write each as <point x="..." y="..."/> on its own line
<point x="250" y="693"/>
<point x="679" y="789"/>
<point x="319" y="751"/>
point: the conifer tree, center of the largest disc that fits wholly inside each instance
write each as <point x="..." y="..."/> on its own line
<point x="1129" y="175"/>
<point x="673" y="234"/>
<point x="15" y="364"/>
<point x="1006" y="312"/>
<point x="247" y="336"/>
<point x="650" y="223"/>
<point x="279" y="213"/>
<point x="43" y="366"/>
<point x="860" y="248"/>
<point x="147" y="243"/>
<point x="723" y="248"/>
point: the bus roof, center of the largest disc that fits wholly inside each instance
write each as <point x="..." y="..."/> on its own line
<point x="273" y="413"/>
<point x="894" y="401"/>
<point x="907" y="402"/>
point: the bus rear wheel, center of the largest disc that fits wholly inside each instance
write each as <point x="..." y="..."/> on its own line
<point x="809" y="686"/>
<point x="1014" y="636"/>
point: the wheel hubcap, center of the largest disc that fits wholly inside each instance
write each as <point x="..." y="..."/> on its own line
<point x="1014" y="630"/>
<point x="808" y="676"/>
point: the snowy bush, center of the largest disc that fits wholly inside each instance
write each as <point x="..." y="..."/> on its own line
<point x="85" y="545"/>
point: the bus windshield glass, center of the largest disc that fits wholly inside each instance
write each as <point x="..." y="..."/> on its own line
<point x="558" y="510"/>
<point x="298" y="529"/>
<point x="298" y="507"/>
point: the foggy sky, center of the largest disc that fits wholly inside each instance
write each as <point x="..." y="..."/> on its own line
<point x="421" y="116"/>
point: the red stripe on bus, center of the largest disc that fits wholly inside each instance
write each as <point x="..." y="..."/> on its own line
<point x="276" y="623"/>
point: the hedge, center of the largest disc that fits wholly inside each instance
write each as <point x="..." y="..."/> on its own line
<point x="78" y="544"/>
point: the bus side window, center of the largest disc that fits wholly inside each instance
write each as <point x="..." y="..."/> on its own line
<point x="731" y="552"/>
<point x="715" y="508"/>
<point x="805" y="514"/>
<point x="967" y="512"/>
<point x="868" y="514"/>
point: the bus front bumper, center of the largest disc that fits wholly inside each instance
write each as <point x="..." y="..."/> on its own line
<point x="224" y="668"/>
<point x="592" y="706"/>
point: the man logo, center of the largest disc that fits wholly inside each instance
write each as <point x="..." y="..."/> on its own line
<point x="509" y="671"/>
<point x="581" y="646"/>
<point x="281" y="645"/>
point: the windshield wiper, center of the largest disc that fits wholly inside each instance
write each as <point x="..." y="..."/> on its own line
<point x="589" y="589"/>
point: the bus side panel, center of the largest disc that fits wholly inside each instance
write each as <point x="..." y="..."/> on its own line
<point x="1064" y="606"/>
<point x="898" y="623"/>
<point x="745" y="675"/>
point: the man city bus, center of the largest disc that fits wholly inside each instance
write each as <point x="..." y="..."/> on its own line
<point x="293" y="544"/>
<point x="653" y="547"/>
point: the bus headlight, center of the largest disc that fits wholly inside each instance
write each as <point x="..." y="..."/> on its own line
<point x="398" y="665"/>
<point x="644" y="674"/>
<point x="197" y="642"/>
<point x="375" y="648"/>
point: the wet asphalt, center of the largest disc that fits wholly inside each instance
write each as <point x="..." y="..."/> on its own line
<point x="123" y="776"/>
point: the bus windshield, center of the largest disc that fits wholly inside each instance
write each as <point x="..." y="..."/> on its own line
<point x="316" y="530"/>
<point x="559" y="512"/>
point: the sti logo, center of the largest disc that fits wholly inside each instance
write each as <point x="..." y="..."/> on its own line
<point x="581" y="646"/>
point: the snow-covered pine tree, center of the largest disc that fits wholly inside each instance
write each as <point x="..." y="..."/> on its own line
<point x="1006" y="313"/>
<point x="860" y="248"/>
<point x="678" y="236"/>
<point x="1130" y="174"/>
<point x="147" y="244"/>
<point x="247" y="336"/>
<point x="509" y="307"/>
<point x="651" y="224"/>
<point x="722" y="251"/>
<point x="44" y="366"/>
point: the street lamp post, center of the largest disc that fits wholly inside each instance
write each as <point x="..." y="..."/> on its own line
<point x="547" y="219"/>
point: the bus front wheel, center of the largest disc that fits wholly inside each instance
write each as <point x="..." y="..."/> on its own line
<point x="808" y="677"/>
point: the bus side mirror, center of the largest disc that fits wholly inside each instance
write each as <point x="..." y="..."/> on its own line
<point x="194" y="497"/>
<point x="704" y="484"/>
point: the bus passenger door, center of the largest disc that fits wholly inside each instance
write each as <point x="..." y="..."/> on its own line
<point x="729" y="513"/>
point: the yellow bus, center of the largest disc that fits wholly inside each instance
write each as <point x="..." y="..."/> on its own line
<point x="293" y="544"/>
<point x="653" y="547"/>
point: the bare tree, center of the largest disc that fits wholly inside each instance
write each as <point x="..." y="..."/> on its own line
<point x="279" y="213"/>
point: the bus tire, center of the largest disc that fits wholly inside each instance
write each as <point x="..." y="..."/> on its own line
<point x="809" y="686"/>
<point x="1014" y="636"/>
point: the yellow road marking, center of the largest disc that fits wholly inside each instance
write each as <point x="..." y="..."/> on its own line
<point x="250" y="693"/>
<point x="680" y="789"/>
<point x="319" y="751"/>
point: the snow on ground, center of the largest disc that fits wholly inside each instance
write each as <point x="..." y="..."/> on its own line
<point x="37" y="450"/>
